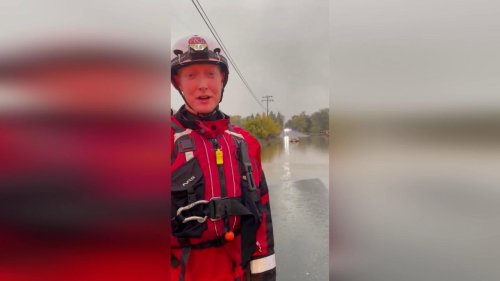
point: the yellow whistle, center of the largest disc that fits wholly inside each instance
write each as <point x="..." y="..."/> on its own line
<point x="218" y="156"/>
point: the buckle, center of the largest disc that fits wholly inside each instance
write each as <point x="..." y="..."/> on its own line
<point x="217" y="208"/>
<point x="192" y="218"/>
<point x="186" y="145"/>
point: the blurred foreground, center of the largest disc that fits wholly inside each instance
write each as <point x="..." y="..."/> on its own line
<point x="84" y="183"/>
<point x="416" y="197"/>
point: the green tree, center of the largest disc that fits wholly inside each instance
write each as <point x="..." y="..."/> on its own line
<point x="261" y="126"/>
<point x="272" y="115"/>
<point x="319" y="121"/>
<point x="278" y="118"/>
<point x="308" y="122"/>
<point x="237" y="120"/>
<point x="281" y="119"/>
<point x="299" y="123"/>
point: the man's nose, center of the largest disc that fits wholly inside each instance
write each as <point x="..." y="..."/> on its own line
<point x="203" y="83"/>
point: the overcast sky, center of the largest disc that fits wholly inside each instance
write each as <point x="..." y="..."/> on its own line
<point x="388" y="55"/>
<point x="438" y="56"/>
<point x="281" y="48"/>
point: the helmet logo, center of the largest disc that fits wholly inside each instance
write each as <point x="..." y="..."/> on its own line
<point x="197" y="44"/>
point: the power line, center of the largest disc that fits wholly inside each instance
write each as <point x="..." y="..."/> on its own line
<point x="216" y="35"/>
<point x="226" y="50"/>
<point x="223" y="46"/>
<point x="207" y="21"/>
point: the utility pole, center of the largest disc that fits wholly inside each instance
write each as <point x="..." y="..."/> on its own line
<point x="267" y="99"/>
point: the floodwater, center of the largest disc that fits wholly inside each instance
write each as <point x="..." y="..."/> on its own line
<point x="307" y="159"/>
<point x="297" y="174"/>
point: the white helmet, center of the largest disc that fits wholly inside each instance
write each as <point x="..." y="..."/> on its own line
<point x="197" y="49"/>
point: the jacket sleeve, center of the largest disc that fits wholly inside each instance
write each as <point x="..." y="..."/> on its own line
<point x="263" y="262"/>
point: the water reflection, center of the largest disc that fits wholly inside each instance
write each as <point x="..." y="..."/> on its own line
<point x="297" y="174"/>
<point x="317" y="143"/>
<point x="271" y="150"/>
<point x="286" y="174"/>
<point x="286" y="143"/>
<point x="292" y="161"/>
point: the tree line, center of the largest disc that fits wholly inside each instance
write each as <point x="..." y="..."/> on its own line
<point x="260" y="125"/>
<point x="315" y="123"/>
<point x="266" y="127"/>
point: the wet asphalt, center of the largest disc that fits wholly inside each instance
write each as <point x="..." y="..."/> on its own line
<point x="300" y="219"/>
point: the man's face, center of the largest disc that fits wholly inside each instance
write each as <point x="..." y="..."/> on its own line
<point x="201" y="85"/>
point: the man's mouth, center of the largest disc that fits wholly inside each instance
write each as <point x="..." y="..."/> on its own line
<point x="203" y="97"/>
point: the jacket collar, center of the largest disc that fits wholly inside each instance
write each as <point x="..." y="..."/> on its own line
<point x="210" y="126"/>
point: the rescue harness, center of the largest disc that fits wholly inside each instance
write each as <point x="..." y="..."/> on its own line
<point x="198" y="211"/>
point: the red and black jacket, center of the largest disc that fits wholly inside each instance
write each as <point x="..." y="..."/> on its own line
<point x="218" y="187"/>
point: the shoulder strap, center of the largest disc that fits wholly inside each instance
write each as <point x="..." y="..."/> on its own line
<point x="176" y="127"/>
<point x="233" y="133"/>
<point x="183" y="142"/>
<point x="250" y="199"/>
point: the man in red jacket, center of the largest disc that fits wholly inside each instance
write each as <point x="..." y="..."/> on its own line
<point x="221" y="219"/>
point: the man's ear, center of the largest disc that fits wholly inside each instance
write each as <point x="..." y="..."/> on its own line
<point x="176" y="80"/>
<point x="224" y="75"/>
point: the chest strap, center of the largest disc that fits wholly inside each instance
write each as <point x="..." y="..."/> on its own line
<point x="214" y="209"/>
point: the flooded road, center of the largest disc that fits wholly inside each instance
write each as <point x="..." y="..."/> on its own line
<point x="297" y="174"/>
<point x="307" y="159"/>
